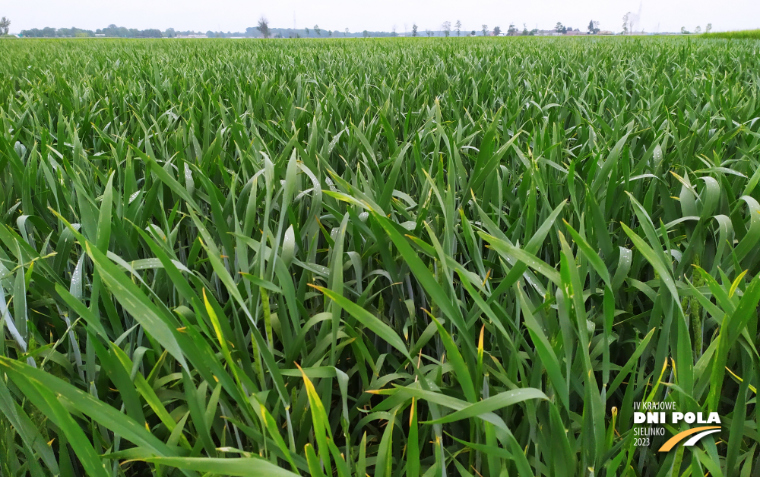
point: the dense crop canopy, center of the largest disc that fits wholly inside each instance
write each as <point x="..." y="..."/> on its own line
<point x="385" y="257"/>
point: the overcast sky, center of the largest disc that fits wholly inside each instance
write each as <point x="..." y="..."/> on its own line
<point x="358" y="15"/>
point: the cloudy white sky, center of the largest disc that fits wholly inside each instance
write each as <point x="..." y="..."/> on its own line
<point x="357" y="15"/>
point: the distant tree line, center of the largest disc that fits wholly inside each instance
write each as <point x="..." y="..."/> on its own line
<point x="263" y="30"/>
<point x="113" y="31"/>
<point x="122" y="32"/>
<point x="110" y="31"/>
<point x="49" y="32"/>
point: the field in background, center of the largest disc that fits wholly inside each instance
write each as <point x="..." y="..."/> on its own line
<point x="384" y="257"/>
<point x="736" y="35"/>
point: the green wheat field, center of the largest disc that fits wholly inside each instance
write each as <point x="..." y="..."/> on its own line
<point x="385" y="257"/>
<point x="735" y="35"/>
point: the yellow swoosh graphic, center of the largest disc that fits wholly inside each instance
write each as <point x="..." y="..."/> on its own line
<point x="673" y="441"/>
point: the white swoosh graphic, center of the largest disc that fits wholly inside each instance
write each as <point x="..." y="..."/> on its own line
<point x="697" y="437"/>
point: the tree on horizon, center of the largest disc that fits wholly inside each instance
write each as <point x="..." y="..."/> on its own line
<point x="5" y="25"/>
<point x="263" y="27"/>
<point x="446" y="27"/>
